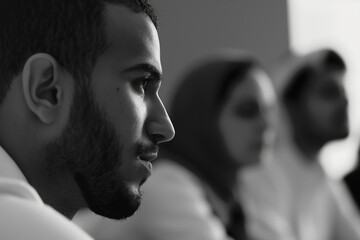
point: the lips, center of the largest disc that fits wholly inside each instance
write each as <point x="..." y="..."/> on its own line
<point x="148" y="153"/>
<point x="149" y="156"/>
<point x="148" y="165"/>
<point x="340" y="117"/>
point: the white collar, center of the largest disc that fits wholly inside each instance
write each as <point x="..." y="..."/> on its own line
<point x="8" y="168"/>
<point x="13" y="180"/>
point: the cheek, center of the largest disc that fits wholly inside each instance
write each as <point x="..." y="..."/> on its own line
<point x="234" y="132"/>
<point x="128" y="116"/>
<point x="320" y="112"/>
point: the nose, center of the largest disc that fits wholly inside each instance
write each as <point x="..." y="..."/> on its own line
<point x="342" y="98"/>
<point x="344" y="101"/>
<point x="159" y="127"/>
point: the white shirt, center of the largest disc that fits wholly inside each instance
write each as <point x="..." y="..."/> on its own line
<point x="174" y="206"/>
<point x="291" y="197"/>
<point x="23" y="215"/>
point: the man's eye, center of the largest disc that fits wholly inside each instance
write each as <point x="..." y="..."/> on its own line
<point x="144" y="82"/>
<point x="141" y="84"/>
<point x="330" y="92"/>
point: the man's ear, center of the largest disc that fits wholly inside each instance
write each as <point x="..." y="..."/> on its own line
<point x="42" y="91"/>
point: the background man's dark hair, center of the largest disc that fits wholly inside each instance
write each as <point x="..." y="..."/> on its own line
<point x="328" y="61"/>
<point x="72" y="31"/>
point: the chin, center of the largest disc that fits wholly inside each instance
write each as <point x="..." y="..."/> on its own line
<point x="117" y="205"/>
<point x="119" y="210"/>
<point x="341" y="134"/>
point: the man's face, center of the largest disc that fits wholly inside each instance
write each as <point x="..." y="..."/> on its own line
<point x="116" y="124"/>
<point x="324" y="106"/>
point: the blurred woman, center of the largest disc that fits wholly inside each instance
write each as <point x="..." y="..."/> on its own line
<point x="220" y="112"/>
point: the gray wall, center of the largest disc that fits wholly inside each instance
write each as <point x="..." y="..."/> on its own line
<point x="191" y="28"/>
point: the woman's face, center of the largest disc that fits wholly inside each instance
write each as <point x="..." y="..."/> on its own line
<point x="244" y="118"/>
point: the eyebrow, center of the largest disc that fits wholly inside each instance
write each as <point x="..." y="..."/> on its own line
<point x="145" y="67"/>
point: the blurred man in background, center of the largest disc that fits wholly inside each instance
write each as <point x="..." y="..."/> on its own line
<point x="303" y="203"/>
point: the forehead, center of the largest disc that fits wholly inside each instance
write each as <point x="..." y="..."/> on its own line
<point x="325" y="78"/>
<point x="256" y="85"/>
<point x="131" y="37"/>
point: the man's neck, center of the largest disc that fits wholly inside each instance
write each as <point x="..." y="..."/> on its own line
<point x="64" y="199"/>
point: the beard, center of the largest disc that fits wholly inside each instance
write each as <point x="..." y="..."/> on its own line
<point x="89" y="150"/>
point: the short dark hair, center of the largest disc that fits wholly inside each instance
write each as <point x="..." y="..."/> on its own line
<point x="72" y="31"/>
<point x="328" y="60"/>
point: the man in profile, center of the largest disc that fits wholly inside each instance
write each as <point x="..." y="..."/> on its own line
<point x="304" y="203"/>
<point x="80" y="114"/>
